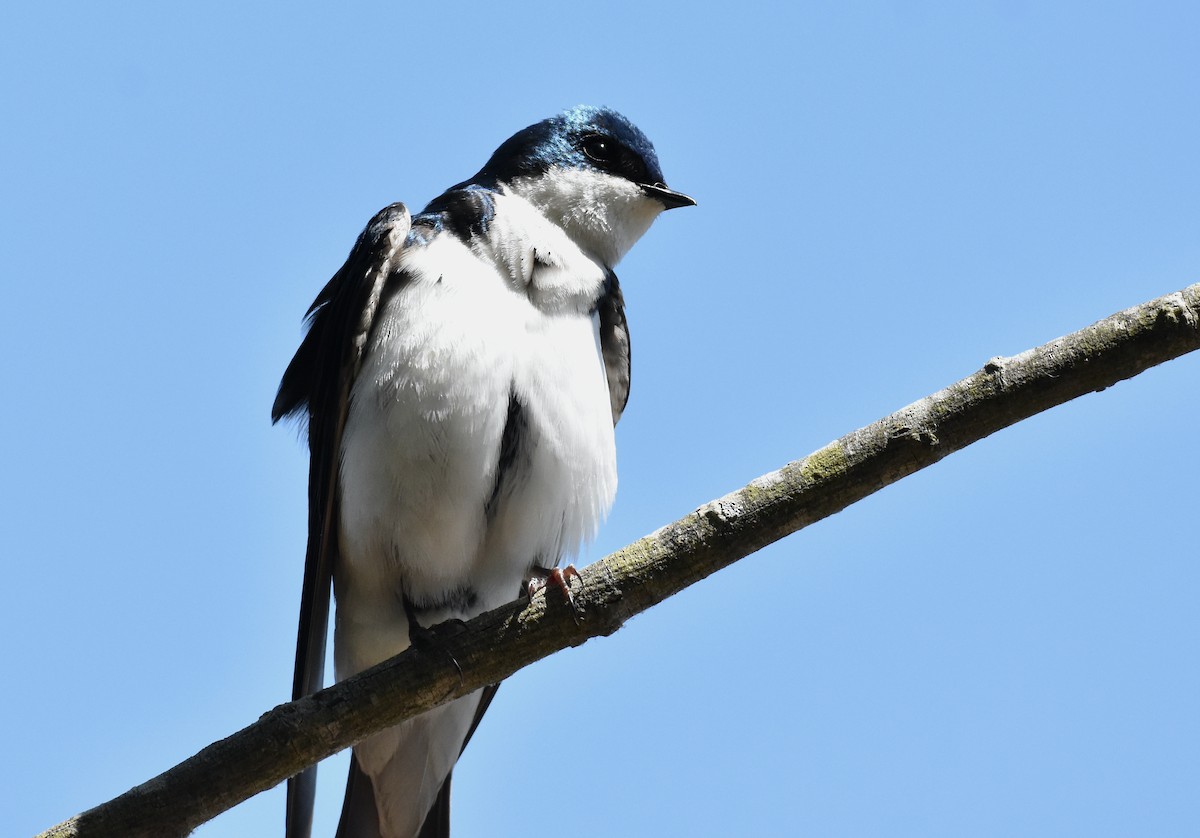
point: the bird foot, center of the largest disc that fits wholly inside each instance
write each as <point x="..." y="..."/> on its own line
<point x="427" y="637"/>
<point x="560" y="578"/>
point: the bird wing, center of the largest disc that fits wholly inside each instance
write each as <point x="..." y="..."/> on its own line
<point x="614" y="344"/>
<point x="316" y="386"/>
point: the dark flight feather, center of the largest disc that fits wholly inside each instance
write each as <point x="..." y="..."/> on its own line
<point x="316" y="386"/>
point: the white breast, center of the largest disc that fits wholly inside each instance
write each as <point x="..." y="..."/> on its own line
<point x="472" y="329"/>
<point x="427" y="416"/>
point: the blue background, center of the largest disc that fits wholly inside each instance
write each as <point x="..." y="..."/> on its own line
<point x="890" y="194"/>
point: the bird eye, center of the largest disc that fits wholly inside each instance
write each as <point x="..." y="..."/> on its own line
<point x="600" y="149"/>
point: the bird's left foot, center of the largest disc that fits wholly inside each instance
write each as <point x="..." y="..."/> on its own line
<point x="421" y="635"/>
<point x="427" y="637"/>
<point x="541" y="578"/>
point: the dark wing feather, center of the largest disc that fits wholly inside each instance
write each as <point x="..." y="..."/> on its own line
<point x="614" y="344"/>
<point x="316" y="386"/>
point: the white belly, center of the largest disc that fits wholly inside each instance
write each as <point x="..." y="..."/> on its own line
<point x="422" y="444"/>
<point x="421" y="516"/>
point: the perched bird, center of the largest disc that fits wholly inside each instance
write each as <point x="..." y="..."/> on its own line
<point x="461" y="376"/>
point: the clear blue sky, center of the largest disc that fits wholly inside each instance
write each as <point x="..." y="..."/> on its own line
<point x="890" y="194"/>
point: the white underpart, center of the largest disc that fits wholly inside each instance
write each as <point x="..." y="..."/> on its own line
<point x="508" y="315"/>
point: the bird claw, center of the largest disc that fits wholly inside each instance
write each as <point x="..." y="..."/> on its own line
<point x="541" y="579"/>
<point x="426" y="637"/>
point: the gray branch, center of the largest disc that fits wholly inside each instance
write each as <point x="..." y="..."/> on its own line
<point x="495" y="645"/>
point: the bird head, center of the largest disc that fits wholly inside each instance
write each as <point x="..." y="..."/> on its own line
<point x="589" y="170"/>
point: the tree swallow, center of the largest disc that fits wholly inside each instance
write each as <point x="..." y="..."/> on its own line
<point x="461" y="376"/>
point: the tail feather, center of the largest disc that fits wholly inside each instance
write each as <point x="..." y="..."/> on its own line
<point x="360" y="818"/>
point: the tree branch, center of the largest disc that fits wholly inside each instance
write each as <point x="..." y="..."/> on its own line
<point x="496" y="644"/>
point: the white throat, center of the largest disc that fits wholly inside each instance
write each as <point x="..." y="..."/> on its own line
<point x="603" y="214"/>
